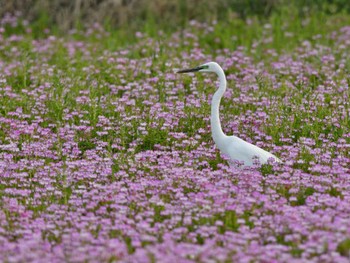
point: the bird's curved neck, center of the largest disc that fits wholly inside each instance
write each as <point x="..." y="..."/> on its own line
<point x="216" y="129"/>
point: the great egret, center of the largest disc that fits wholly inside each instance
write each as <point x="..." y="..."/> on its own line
<point x="237" y="149"/>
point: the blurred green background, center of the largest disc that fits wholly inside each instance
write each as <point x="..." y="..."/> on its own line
<point x="169" y="15"/>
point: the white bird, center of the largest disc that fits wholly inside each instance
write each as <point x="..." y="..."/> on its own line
<point x="238" y="150"/>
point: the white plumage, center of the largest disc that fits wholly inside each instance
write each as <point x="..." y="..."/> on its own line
<point x="232" y="146"/>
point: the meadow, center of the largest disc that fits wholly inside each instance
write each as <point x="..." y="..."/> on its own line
<point x="106" y="153"/>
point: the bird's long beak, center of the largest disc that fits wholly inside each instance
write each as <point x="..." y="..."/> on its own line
<point x="190" y="69"/>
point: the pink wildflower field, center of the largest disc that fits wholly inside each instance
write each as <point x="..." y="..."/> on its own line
<point x="106" y="153"/>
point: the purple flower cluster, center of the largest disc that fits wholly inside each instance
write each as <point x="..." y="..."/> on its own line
<point x="107" y="155"/>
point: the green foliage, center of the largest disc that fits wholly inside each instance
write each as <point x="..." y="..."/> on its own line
<point x="85" y="145"/>
<point x="335" y="192"/>
<point x="302" y="195"/>
<point x="128" y="242"/>
<point x="229" y="219"/>
<point x="246" y="216"/>
<point x="283" y="190"/>
<point x="158" y="217"/>
<point x="149" y="16"/>
<point x="266" y="169"/>
<point x="295" y="251"/>
<point x="153" y="137"/>
<point x="305" y="158"/>
<point x="344" y="247"/>
<point x="51" y="236"/>
<point x="213" y="163"/>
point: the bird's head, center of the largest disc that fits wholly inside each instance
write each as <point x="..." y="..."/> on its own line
<point x="207" y="67"/>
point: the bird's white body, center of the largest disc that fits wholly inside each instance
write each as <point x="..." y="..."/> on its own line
<point x="235" y="148"/>
<point x="245" y="153"/>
